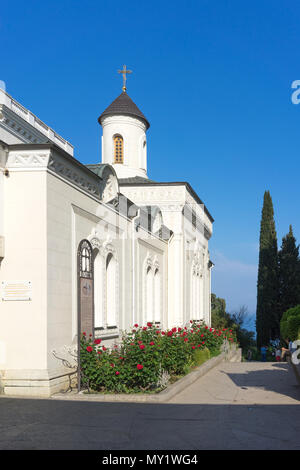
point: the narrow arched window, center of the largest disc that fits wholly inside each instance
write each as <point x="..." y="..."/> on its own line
<point x="118" y="149"/>
<point x="98" y="289"/>
<point x="111" y="276"/>
<point x="149" y="294"/>
<point x="157" y="312"/>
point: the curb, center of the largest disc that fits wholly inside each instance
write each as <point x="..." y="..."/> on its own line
<point x="161" y="397"/>
<point x="296" y="370"/>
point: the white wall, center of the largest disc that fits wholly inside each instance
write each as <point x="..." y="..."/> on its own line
<point x="133" y="132"/>
<point x="23" y="324"/>
<point x="171" y="200"/>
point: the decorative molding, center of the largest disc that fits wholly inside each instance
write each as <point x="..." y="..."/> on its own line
<point x="119" y="119"/>
<point x="71" y="171"/>
<point x="28" y="160"/>
<point x="109" y="188"/>
<point x="169" y="199"/>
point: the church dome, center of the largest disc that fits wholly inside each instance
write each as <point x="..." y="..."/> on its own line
<point x="123" y="105"/>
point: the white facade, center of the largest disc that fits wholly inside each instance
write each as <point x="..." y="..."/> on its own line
<point x="49" y="203"/>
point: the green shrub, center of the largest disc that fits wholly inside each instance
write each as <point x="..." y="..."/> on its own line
<point x="145" y="353"/>
<point x="290" y="323"/>
<point x="200" y="356"/>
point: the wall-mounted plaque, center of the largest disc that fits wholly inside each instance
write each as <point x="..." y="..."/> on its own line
<point x="16" y="290"/>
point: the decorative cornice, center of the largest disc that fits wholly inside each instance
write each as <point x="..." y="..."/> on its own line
<point x="51" y="160"/>
<point x="123" y="120"/>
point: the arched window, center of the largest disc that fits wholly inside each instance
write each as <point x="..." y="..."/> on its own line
<point x="195" y="292"/>
<point x="111" y="298"/>
<point x="118" y="149"/>
<point x="85" y="259"/>
<point x="85" y="288"/>
<point x="98" y="289"/>
<point x="157" y="309"/>
<point x="193" y="295"/>
<point x="201" y="298"/>
<point x="149" y="294"/>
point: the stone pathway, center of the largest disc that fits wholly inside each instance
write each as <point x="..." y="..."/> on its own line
<point x="234" y="406"/>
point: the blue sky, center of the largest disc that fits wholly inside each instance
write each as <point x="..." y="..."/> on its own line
<point x="213" y="78"/>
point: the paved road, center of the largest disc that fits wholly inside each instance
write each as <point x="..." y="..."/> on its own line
<point x="234" y="406"/>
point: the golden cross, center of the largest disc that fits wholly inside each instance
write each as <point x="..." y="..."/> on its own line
<point x="124" y="72"/>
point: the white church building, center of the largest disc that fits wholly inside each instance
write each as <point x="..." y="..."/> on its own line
<point x="94" y="248"/>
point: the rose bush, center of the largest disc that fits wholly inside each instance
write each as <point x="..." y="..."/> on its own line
<point x="145" y="353"/>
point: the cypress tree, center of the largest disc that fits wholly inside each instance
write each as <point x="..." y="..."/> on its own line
<point x="267" y="323"/>
<point x="289" y="273"/>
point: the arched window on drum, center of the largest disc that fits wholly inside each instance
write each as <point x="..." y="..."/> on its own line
<point x="118" y="149"/>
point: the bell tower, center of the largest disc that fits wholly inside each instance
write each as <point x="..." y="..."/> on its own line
<point x="124" y="142"/>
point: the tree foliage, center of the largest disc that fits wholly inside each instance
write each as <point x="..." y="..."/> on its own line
<point x="290" y="324"/>
<point x="289" y="273"/>
<point x="267" y="314"/>
<point x="237" y="321"/>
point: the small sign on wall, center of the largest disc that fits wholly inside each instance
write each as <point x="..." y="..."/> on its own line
<point x="16" y="290"/>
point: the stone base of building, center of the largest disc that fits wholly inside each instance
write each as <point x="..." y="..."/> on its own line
<point x="36" y="383"/>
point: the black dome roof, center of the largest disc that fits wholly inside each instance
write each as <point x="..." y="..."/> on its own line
<point x="124" y="105"/>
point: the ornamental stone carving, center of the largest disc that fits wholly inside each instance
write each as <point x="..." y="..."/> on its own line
<point x="58" y="164"/>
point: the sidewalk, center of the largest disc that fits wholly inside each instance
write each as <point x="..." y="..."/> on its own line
<point x="244" y="383"/>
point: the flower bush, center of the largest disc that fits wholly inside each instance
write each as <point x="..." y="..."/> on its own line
<point x="146" y="354"/>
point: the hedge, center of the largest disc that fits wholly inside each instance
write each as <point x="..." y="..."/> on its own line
<point x="290" y="324"/>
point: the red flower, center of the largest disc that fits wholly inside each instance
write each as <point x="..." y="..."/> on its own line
<point x="142" y="346"/>
<point x="202" y="335"/>
<point x="97" y="341"/>
<point x="104" y="348"/>
<point x="149" y="323"/>
<point x="112" y="365"/>
<point x="174" y="330"/>
<point x="191" y="321"/>
<point x="91" y="335"/>
<point x="89" y="348"/>
<point x="84" y="333"/>
<point x="179" y="329"/>
<point x="117" y="372"/>
<point x="206" y="327"/>
<point x="139" y="367"/>
<point x="152" y="343"/>
<point x="163" y="333"/>
<point x="144" y="328"/>
<point x="193" y="347"/>
<point x="157" y="332"/>
<point x="99" y="352"/>
<point x="170" y="333"/>
<point x="136" y="325"/>
<point x="185" y="340"/>
<point x="133" y="331"/>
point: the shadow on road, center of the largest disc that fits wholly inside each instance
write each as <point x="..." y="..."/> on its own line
<point x="274" y="380"/>
<point x="57" y="424"/>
